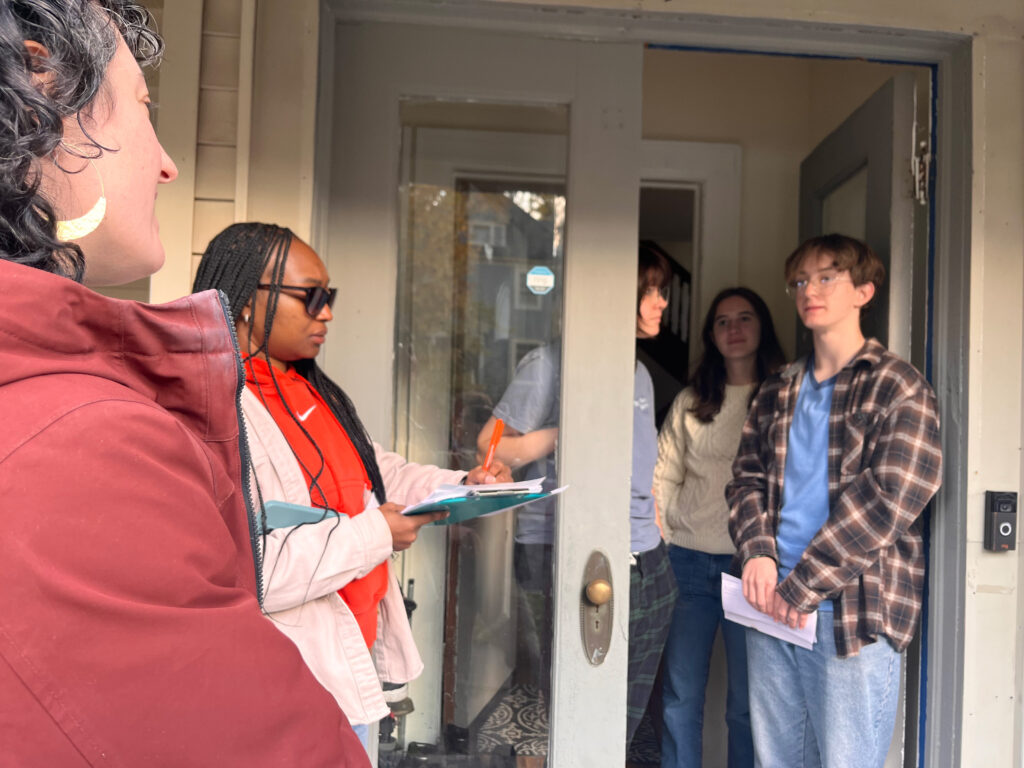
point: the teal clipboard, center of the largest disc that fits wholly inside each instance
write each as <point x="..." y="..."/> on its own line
<point x="281" y="514"/>
<point x="465" y="508"/>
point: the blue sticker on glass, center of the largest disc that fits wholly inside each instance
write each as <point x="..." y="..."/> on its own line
<point x="540" y="280"/>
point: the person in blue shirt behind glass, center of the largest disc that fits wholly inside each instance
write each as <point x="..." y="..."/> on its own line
<point x="530" y="408"/>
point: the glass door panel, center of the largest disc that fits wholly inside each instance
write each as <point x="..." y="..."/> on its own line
<point x="451" y="123"/>
<point x="478" y="326"/>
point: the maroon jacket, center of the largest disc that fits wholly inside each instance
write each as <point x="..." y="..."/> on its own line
<point x="130" y="632"/>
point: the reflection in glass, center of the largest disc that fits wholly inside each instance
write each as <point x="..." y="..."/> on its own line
<point x="478" y="337"/>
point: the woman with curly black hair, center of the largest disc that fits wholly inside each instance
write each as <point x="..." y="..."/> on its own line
<point x="130" y="624"/>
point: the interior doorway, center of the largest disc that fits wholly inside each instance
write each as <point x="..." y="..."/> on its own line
<point x="668" y="217"/>
<point x="780" y="110"/>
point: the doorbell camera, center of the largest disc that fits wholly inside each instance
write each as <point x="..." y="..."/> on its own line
<point x="1000" y="521"/>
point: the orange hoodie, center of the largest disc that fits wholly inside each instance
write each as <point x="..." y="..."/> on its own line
<point x="324" y="451"/>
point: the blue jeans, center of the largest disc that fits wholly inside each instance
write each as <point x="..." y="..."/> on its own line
<point x="697" y="617"/>
<point x="812" y="708"/>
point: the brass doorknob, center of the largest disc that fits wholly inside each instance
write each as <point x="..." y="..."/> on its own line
<point x="599" y="591"/>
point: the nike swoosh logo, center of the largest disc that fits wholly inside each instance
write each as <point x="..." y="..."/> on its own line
<point x="304" y="416"/>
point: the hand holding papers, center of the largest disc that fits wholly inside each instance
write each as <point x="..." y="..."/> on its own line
<point x="464" y="502"/>
<point x="737" y="609"/>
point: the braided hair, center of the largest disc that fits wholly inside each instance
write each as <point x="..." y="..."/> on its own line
<point x="235" y="262"/>
<point x="37" y="93"/>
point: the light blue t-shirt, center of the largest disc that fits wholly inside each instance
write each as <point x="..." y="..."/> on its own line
<point x="805" y="504"/>
<point x="643" y="530"/>
<point x="531" y="402"/>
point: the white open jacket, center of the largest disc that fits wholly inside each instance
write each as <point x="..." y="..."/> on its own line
<point x="302" y="575"/>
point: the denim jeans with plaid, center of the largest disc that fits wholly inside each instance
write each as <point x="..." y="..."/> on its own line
<point x="812" y="708"/>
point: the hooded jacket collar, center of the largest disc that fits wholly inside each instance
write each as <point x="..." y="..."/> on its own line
<point x="181" y="355"/>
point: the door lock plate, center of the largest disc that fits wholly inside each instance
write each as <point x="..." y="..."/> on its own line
<point x="597" y="603"/>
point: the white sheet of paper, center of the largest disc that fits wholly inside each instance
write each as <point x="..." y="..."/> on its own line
<point x="737" y="609"/>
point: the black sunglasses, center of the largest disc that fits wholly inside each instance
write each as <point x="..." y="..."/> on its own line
<point x="317" y="297"/>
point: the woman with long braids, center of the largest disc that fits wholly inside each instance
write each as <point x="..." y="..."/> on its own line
<point x="130" y="624"/>
<point x="329" y="585"/>
<point x="696" y="447"/>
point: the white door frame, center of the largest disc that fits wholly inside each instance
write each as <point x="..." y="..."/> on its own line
<point x="950" y="55"/>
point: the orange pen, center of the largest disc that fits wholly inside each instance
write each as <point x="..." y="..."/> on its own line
<point x="499" y="427"/>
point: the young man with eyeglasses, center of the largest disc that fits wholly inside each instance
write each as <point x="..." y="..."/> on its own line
<point x="840" y="453"/>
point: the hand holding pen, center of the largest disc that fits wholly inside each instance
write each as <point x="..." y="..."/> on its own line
<point x="492" y="470"/>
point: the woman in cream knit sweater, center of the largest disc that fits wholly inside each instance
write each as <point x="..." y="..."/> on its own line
<point x="697" y="444"/>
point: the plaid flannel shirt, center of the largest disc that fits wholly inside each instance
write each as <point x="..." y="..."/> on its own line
<point x="884" y="465"/>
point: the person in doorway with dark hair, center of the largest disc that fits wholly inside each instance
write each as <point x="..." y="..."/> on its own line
<point x="530" y="408"/>
<point x="652" y="587"/>
<point x="329" y="585"/>
<point x="838" y="458"/>
<point x="696" y="448"/>
<point x="130" y="624"/>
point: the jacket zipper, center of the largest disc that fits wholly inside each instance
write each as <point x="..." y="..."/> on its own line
<point x="255" y="529"/>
